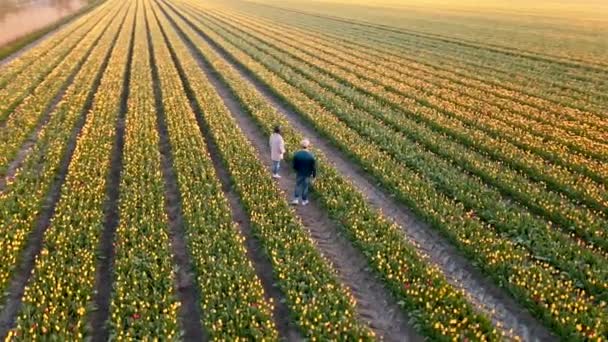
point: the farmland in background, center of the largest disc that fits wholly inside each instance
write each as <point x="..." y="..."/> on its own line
<point x="462" y="188"/>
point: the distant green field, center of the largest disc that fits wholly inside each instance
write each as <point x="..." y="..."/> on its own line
<point x="576" y="29"/>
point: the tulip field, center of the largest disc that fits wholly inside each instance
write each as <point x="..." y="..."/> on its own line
<point x="462" y="192"/>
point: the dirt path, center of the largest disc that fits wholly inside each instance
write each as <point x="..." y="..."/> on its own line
<point x="374" y="303"/>
<point x="105" y="275"/>
<point x="34" y="245"/>
<point x="190" y="315"/>
<point x="480" y="290"/>
<point x="27" y="145"/>
<point x="287" y="329"/>
<point x="263" y="268"/>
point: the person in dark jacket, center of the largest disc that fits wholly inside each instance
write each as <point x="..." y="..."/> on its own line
<point x="304" y="164"/>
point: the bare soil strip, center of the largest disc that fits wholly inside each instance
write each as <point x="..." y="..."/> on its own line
<point x="374" y="303"/>
<point x="495" y="48"/>
<point x="187" y="292"/>
<point x="34" y="245"/>
<point x="26" y="148"/>
<point x="255" y="253"/>
<point x="263" y="269"/>
<point x="287" y="329"/>
<point x="44" y="117"/>
<point x="105" y="275"/>
<point x="480" y="290"/>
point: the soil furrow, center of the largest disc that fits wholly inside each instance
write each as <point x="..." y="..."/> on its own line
<point x="17" y="286"/>
<point x="43" y="119"/>
<point x="293" y="50"/>
<point x="375" y="304"/>
<point x="263" y="269"/>
<point x="460" y="78"/>
<point x="103" y="283"/>
<point x="480" y="290"/>
<point x="26" y="147"/>
<point x="476" y="71"/>
<point x="549" y="156"/>
<point x="494" y="48"/>
<point x="255" y="252"/>
<point x="187" y="292"/>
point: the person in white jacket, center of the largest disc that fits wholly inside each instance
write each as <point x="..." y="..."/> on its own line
<point x="277" y="149"/>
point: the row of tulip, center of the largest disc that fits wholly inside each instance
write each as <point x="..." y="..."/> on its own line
<point x="55" y="46"/>
<point x="551" y="69"/>
<point x="22" y="122"/>
<point x="537" y="108"/>
<point x="232" y="297"/>
<point x="407" y="273"/>
<point x="321" y="307"/>
<point x="540" y="86"/>
<point x="537" y="122"/>
<point x="57" y="299"/>
<point x="24" y="196"/>
<point x="397" y="116"/>
<point x="144" y="301"/>
<point x="571" y="216"/>
<point x="568" y="310"/>
<point x="399" y="94"/>
<point x="548" y="70"/>
<point x="27" y="83"/>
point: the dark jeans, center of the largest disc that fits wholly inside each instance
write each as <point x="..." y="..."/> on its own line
<point x="276" y="165"/>
<point x="301" y="190"/>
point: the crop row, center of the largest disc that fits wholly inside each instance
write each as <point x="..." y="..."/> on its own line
<point x="53" y="46"/>
<point x="407" y="273"/>
<point x="542" y="239"/>
<point x="399" y="94"/>
<point x="470" y="137"/>
<point x="57" y="299"/>
<point x="581" y="71"/>
<point x="29" y="113"/>
<point x="319" y="304"/>
<point x="26" y="83"/>
<point x="561" y="59"/>
<point x="540" y="85"/>
<point x="538" y="108"/>
<point x="550" y="70"/>
<point x="144" y="300"/>
<point x="216" y="249"/>
<point x="565" y="308"/>
<point x="23" y="199"/>
<point x="467" y="189"/>
<point x="571" y="132"/>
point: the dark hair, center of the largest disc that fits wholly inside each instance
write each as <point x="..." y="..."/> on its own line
<point x="277" y="129"/>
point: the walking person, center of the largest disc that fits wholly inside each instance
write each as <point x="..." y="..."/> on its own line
<point x="277" y="150"/>
<point x="304" y="164"/>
